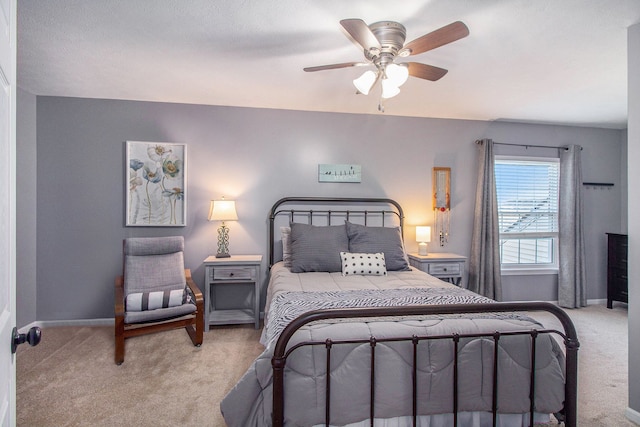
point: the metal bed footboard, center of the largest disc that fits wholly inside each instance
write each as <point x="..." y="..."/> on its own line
<point x="569" y="337"/>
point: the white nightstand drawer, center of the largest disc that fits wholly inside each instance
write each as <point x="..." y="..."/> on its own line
<point x="233" y="273"/>
<point x="445" y="268"/>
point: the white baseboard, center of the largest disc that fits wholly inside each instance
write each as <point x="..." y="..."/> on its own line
<point x="77" y="322"/>
<point x="632" y="415"/>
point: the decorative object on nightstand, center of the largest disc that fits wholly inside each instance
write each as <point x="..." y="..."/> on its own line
<point x="423" y="236"/>
<point x="223" y="210"/>
<point x="442" y="203"/>
<point x="446" y="266"/>
<point x="228" y="276"/>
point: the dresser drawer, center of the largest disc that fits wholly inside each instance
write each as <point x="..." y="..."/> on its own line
<point x="617" y="280"/>
<point x="619" y="277"/>
<point x="617" y="251"/>
<point x="233" y="273"/>
<point x="445" y="268"/>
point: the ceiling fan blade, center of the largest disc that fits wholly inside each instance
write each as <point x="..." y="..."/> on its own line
<point x="361" y="33"/>
<point x="447" y="34"/>
<point x="424" y="71"/>
<point x="334" y="66"/>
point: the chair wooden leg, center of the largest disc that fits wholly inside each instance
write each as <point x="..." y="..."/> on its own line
<point x="119" y="339"/>
<point x="195" y="334"/>
<point x="119" y="320"/>
<point x="119" y="350"/>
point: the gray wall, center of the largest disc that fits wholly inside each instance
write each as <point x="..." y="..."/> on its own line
<point x="634" y="225"/>
<point x="256" y="156"/>
<point x="26" y="206"/>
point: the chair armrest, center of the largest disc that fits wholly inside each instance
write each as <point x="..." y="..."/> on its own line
<point x="197" y="293"/>
<point x="119" y="297"/>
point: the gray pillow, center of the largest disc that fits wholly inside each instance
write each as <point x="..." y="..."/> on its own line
<point x="379" y="239"/>
<point x="317" y="248"/>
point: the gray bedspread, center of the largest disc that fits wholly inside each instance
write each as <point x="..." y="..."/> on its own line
<point x="249" y="402"/>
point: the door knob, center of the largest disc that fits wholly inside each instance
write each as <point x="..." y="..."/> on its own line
<point x="32" y="337"/>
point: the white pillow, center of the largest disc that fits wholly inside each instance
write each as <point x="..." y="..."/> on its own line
<point x="285" y="235"/>
<point x="363" y="264"/>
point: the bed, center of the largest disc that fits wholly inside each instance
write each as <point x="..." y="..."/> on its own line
<point x="401" y="347"/>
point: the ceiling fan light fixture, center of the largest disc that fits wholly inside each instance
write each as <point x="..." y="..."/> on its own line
<point x="365" y="82"/>
<point x="397" y="74"/>
<point x="389" y="89"/>
<point x="382" y="42"/>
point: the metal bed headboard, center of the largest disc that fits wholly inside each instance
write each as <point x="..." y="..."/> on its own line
<point x="278" y="209"/>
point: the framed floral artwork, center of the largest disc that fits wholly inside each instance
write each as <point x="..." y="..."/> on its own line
<point x="156" y="182"/>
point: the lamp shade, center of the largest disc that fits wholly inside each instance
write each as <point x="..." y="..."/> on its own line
<point x="423" y="234"/>
<point x="397" y="74"/>
<point x="365" y="82"/>
<point x="222" y="210"/>
<point x="389" y="89"/>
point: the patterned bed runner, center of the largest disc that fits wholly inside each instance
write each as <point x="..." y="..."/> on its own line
<point x="287" y="306"/>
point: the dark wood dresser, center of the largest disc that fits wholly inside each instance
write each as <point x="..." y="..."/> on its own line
<point x="617" y="289"/>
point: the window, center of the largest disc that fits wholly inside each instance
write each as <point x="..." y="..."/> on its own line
<point x="527" y="192"/>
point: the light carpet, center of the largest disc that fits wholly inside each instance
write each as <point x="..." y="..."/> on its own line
<point x="70" y="379"/>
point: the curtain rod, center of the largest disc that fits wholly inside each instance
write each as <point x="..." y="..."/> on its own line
<point x="564" y="147"/>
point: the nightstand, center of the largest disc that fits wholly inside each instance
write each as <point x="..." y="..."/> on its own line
<point x="226" y="276"/>
<point x="446" y="266"/>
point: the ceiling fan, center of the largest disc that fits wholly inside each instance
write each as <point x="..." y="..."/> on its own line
<point x="382" y="43"/>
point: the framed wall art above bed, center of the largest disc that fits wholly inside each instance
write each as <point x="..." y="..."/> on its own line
<point x="339" y="173"/>
<point x="156" y="184"/>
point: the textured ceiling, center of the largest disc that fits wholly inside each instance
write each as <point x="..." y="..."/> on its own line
<point x="542" y="61"/>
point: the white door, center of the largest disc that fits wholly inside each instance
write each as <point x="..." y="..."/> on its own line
<point x="7" y="210"/>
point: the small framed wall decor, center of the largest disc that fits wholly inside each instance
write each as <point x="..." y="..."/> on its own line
<point x="339" y="173"/>
<point x="156" y="181"/>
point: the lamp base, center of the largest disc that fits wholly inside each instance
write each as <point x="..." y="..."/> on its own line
<point x="422" y="249"/>
<point x="223" y="242"/>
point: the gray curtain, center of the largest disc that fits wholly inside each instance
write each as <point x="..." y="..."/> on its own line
<point x="571" y="274"/>
<point x="484" y="262"/>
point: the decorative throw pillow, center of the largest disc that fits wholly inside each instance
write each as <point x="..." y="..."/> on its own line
<point x="363" y="264"/>
<point x="379" y="239"/>
<point x="317" y="248"/>
<point x="285" y="235"/>
<point x="144" y="301"/>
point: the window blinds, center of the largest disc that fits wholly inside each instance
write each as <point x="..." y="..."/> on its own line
<point x="527" y="193"/>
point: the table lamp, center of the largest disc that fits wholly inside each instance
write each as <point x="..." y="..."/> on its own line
<point x="223" y="210"/>
<point x="423" y="236"/>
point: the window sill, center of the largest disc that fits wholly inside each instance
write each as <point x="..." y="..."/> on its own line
<point x="528" y="271"/>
